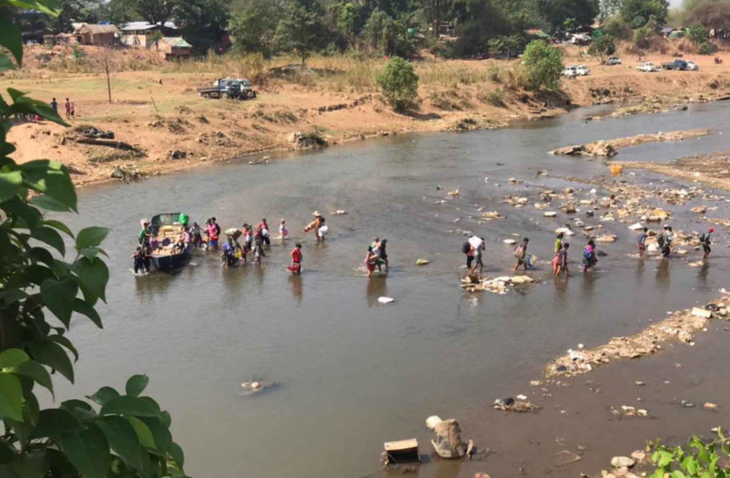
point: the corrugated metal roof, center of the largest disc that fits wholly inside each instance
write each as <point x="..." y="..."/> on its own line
<point x="132" y="26"/>
<point x="177" y="42"/>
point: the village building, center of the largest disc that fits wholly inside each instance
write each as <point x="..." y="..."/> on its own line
<point x="144" y="34"/>
<point x="100" y="35"/>
<point x="172" y="48"/>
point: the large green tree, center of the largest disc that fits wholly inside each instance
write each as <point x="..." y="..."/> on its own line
<point x="49" y="278"/>
<point x="388" y="36"/>
<point x="562" y="13"/>
<point x="253" y="28"/>
<point x="202" y="22"/>
<point x="302" y="28"/>
<point x="638" y="12"/>
<point x="155" y="11"/>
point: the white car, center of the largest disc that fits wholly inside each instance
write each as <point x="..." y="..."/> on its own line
<point x="570" y="72"/>
<point x="648" y="67"/>
<point x="692" y="66"/>
<point x="582" y="70"/>
<point x="613" y="60"/>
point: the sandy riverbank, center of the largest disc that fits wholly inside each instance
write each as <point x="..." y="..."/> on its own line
<point x="159" y="113"/>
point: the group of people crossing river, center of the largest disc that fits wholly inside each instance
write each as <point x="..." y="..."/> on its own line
<point x="474" y="248"/>
<point x="251" y="241"/>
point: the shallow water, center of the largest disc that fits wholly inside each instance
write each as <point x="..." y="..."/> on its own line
<point x="354" y="373"/>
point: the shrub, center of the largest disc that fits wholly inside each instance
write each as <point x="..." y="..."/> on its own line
<point x="603" y="46"/>
<point x="617" y="28"/>
<point x="696" y="459"/>
<point x="495" y="73"/>
<point x="544" y="64"/>
<point x="494" y="97"/>
<point x="399" y="84"/>
<point x="698" y="33"/>
<point x="642" y="36"/>
<point x="707" y="48"/>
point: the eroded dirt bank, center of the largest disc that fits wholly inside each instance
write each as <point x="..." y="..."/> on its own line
<point x="169" y="128"/>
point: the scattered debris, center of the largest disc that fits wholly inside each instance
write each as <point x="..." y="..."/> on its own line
<point x="385" y="300"/>
<point x="402" y="452"/>
<point x="300" y="140"/>
<point x="498" y="285"/>
<point x="422" y="262"/>
<point x="256" y="386"/>
<point x="565" y="457"/>
<point x="620" y="461"/>
<point x="512" y="405"/>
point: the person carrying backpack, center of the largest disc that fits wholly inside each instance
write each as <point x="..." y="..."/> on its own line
<point x="705" y="240"/>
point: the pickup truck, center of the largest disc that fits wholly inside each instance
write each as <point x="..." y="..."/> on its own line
<point x="648" y="67"/>
<point x="675" y="65"/>
<point x="229" y="88"/>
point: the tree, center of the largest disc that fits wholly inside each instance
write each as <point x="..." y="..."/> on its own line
<point x="638" y="12"/>
<point x="698" y="34"/>
<point x="122" y="11"/>
<point x="609" y="8"/>
<point x="302" y="29"/>
<point x="558" y="12"/>
<point x="202" y="22"/>
<point x="712" y="15"/>
<point x="511" y="45"/>
<point x="617" y="27"/>
<point x="544" y="64"/>
<point x="388" y="36"/>
<point x="111" y="434"/>
<point x="155" y="11"/>
<point x="603" y="46"/>
<point x="253" y="29"/>
<point x="399" y="84"/>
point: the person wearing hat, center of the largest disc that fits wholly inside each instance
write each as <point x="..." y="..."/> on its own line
<point x="317" y="225"/>
<point x="706" y="242"/>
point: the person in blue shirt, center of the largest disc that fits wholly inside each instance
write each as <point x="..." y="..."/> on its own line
<point x="642" y="242"/>
<point x="54" y="105"/>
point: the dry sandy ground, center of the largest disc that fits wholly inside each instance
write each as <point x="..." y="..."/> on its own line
<point x="159" y="112"/>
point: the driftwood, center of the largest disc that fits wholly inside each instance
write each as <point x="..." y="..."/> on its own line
<point x="105" y="142"/>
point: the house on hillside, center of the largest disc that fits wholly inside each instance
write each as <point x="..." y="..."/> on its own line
<point x="172" y="48"/>
<point x="142" y="34"/>
<point x="100" y="35"/>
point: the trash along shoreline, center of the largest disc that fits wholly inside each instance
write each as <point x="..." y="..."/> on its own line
<point x="610" y="148"/>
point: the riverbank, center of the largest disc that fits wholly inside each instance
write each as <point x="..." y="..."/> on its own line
<point x="169" y="128"/>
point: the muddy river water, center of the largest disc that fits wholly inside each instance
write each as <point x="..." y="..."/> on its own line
<point x="353" y="373"/>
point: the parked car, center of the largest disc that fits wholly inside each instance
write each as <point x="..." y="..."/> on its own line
<point x="648" y="67"/>
<point x="677" y="64"/>
<point x="582" y="70"/>
<point x="692" y="66"/>
<point x="570" y="72"/>
<point x="613" y="60"/>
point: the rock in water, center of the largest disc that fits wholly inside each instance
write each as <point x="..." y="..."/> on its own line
<point x="620" y="461"/>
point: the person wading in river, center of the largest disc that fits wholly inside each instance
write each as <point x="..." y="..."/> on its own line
<point x="589" y="256"/>
<point x="296" y="260"/>
<point x="521" y="254"/>
<point x="665" y="241"/>
<point x="706" y="241"/>
<point x="641" y="241"/>
<point x="561" y="262"/>
<point x="371" y="260"/>
<point x="477" y="247"/>
<point x="558" y="244"/>
<point x="317" y="225"/>
<point x="263" y="228"/>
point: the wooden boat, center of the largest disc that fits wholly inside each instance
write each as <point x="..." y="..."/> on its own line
<point x="167" y="229"/>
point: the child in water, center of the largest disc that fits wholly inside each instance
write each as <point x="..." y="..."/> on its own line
<point x="283" y="232"/>
<point x="296" y="260"/>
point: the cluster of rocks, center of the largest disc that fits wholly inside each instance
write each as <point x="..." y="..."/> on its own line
<point x="681" y="325"/>
<point x="497" y="285"/>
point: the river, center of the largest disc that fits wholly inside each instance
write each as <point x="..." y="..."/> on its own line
<point x="354" y="373"/>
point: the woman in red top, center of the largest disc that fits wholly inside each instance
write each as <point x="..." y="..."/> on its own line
<point x="296" y="260"/>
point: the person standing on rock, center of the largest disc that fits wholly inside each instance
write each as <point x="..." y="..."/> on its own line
<point x="521" y="254"/>
<point x="706" y="242"/>
<point x="641" y="241"/>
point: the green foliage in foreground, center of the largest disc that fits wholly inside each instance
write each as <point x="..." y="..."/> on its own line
<point x="544" y="64"/>
<point x="399" y="84"/>
<point x="109" y="435"/>
<point x="697" y="459"/>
